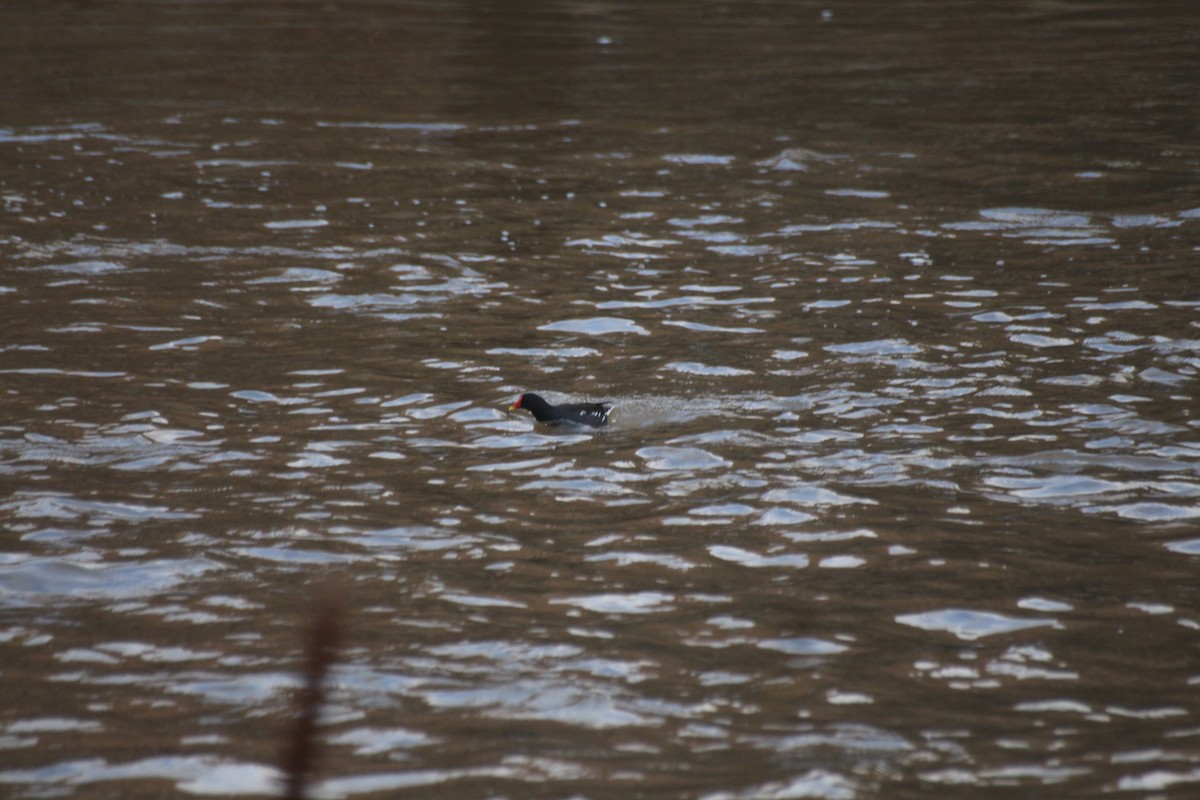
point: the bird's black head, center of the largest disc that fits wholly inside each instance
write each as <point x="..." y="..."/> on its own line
<point x="534" y="404"/>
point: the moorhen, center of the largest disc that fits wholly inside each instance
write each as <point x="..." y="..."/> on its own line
<point x="593" y="414"/>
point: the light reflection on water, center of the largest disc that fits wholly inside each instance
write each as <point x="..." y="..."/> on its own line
<point x="898" y="495"/>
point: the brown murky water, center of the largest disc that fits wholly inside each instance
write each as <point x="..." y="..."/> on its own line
<point x="899" y="305"/>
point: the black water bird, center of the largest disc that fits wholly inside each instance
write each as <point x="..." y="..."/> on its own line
<point x="592" y="414"/>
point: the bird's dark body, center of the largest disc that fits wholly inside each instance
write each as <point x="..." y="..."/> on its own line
<point x="592" y="414"/>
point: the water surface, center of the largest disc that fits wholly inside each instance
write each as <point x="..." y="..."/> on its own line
<point x="897" y="306"/>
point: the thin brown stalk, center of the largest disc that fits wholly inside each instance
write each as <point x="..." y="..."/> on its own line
<point x="299" y="758"/>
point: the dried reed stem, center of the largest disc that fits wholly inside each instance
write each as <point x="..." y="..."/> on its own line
<point x="299" y="759"/>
